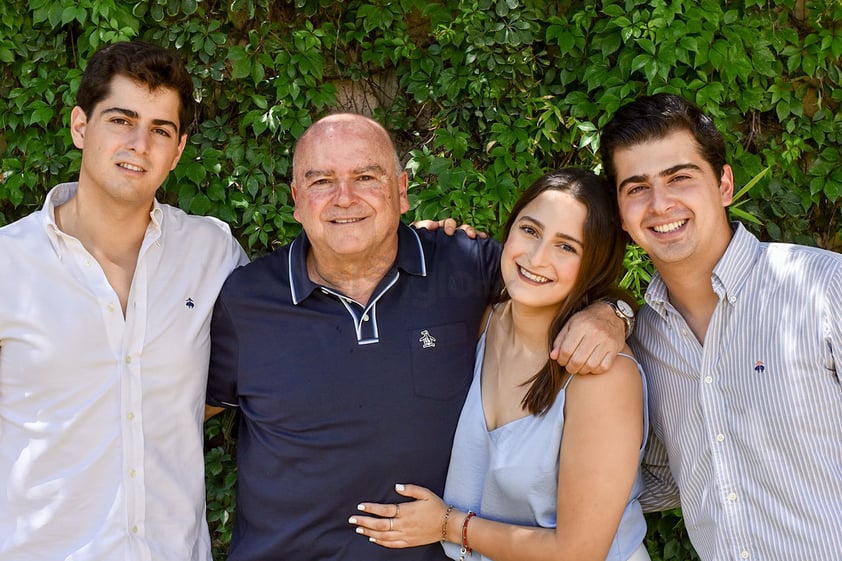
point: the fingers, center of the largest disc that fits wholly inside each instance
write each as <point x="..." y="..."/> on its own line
<point x="386" y="510"/>
<point x="414" y="491"/>
<point x="405" y="524"/>
<point x="426" y="224"/>
<point x="449" y="226"/>
<point x="590" y="341"/>
<point x="381" y="531"/>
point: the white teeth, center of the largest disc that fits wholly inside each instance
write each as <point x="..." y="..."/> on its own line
<point x="347" y="220"/>
<point x="671" y="227"/>
<point x="533" y="277"/>
<point x="131" y="167"/>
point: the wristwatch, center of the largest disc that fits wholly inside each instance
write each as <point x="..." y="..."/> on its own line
<point x="623" y="311"/>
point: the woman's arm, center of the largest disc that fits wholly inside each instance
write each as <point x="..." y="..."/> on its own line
<point x="600" y="447"/>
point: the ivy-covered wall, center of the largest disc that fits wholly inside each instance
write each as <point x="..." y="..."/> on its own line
<point x="482" y="95"/>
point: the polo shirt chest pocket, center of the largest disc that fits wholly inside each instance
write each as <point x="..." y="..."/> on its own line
<point x="442" y="358"/>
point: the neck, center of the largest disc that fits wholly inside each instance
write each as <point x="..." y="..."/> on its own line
<point x="103" y="228"/>
<point x="529" y="327"/>
<point x="691" y="293"/>
<point x="354" y="278"/>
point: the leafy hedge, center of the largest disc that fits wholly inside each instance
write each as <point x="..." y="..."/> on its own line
<point x="484" y="96"/>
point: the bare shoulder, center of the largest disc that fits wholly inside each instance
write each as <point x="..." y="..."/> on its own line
<point x="621" y="381"/>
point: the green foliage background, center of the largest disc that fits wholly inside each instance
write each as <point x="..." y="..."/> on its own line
<point x="483" y="96"/>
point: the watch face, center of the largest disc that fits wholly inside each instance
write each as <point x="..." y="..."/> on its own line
<point x="624" y="308"/>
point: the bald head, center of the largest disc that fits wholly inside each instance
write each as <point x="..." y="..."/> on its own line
<point x="333" y="128"/>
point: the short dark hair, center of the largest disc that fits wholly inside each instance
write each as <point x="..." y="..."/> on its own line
<point x="604" y="246"/>
<point x="145" y="63"/>
<point x="654" y="117"/>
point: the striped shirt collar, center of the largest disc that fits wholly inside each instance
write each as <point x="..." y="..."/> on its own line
<point x="729" y="275"/>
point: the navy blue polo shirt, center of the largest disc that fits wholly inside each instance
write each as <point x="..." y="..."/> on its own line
<point x="338" y="401"/>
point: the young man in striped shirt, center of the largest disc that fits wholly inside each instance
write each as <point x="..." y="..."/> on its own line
<point x="740" y="341"/>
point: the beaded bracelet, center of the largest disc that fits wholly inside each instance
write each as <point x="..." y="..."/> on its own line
<point x="444" y="524"/>
<point x="466" y="550"/>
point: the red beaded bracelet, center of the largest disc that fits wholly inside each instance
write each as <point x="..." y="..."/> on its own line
<point x="466" y="550"/>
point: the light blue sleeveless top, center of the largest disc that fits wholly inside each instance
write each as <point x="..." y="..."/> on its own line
<point x="510" y="474"/>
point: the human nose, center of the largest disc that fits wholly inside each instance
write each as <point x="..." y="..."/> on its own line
<point x="138" y="140"/>
<point x="538" y="255"/>
<point x="661" y="199"/>
<point x="344" y="192"/>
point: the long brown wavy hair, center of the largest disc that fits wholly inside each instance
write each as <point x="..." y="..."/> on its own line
<point x="602" y="262"/>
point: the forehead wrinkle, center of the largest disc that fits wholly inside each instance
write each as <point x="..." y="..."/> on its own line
<point x="679" y="167"/>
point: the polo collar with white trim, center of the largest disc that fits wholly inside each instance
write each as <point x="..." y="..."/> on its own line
<point x="410" y="259"/>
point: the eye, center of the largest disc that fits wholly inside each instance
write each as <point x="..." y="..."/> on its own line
<point x="564" y="246"/>
<point x="528" y="229"/>
<point x="680" y="177"/>
<point x="320" y="183"/>
<point x="163" y="132"/>
<point x="632" y="189"/>
<point x="119" y="121"/>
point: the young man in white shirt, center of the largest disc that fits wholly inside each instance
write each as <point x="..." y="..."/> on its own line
<point x="105" y="303"/>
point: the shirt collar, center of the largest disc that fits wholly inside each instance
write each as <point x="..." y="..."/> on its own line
<point x="63" y="192"/>
<point x="729" y="274"/>
<point x="410" y="259"/>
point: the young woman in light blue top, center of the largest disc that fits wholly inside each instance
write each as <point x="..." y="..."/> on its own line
<point x="544" y="465"/>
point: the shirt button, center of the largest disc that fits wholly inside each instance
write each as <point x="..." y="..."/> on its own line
<point x="732" y="496"/>
<point x="708" y="379"/>
<point x="720" y="437"/>
<point x="733" y="299"/>
<point x="744" y="554"/>
<point x="130" y="416"/>
<point x="684" y="332"/>
<point x="365" y="317"/>
<point x="87" y="262"/>
<point x="110" y="307"/>
<point x="134" y="529"/>
<point x="132" y="473"/>
<point x="128" y="360"/>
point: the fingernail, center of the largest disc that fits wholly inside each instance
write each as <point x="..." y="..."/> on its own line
<point x="372" y="540"/>
<point x="360" y="507"/>
<point x="360" y="530"/>
<point x="399" y="486"/>
<point x="352" y="520"/>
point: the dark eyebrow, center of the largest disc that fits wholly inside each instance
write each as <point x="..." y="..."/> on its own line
<point x="373" y="168"/>
<point x="558" y="235"/>
<point x="662" y="173"/>
<point x="376" y="168"/>
<point x="310" y="173"/>
<point x="134" y="115"/>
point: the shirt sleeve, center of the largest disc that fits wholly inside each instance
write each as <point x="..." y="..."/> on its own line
<point x="660" y="492"/>
<point x="224" y="358"/>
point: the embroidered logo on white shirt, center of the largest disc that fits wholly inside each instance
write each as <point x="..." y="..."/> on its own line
<point x="189" y="303"/>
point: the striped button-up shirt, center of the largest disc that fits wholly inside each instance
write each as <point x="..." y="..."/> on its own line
<point x="749" y="425"/>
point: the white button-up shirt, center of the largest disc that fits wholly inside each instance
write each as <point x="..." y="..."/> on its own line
<point x="101" y="445"/>
<point x="751" y="422"/>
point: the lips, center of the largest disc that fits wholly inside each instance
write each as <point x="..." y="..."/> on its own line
<point x="670" y="227"/>
<point x="532" y="276"/>
<point x="130" y="167"/>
